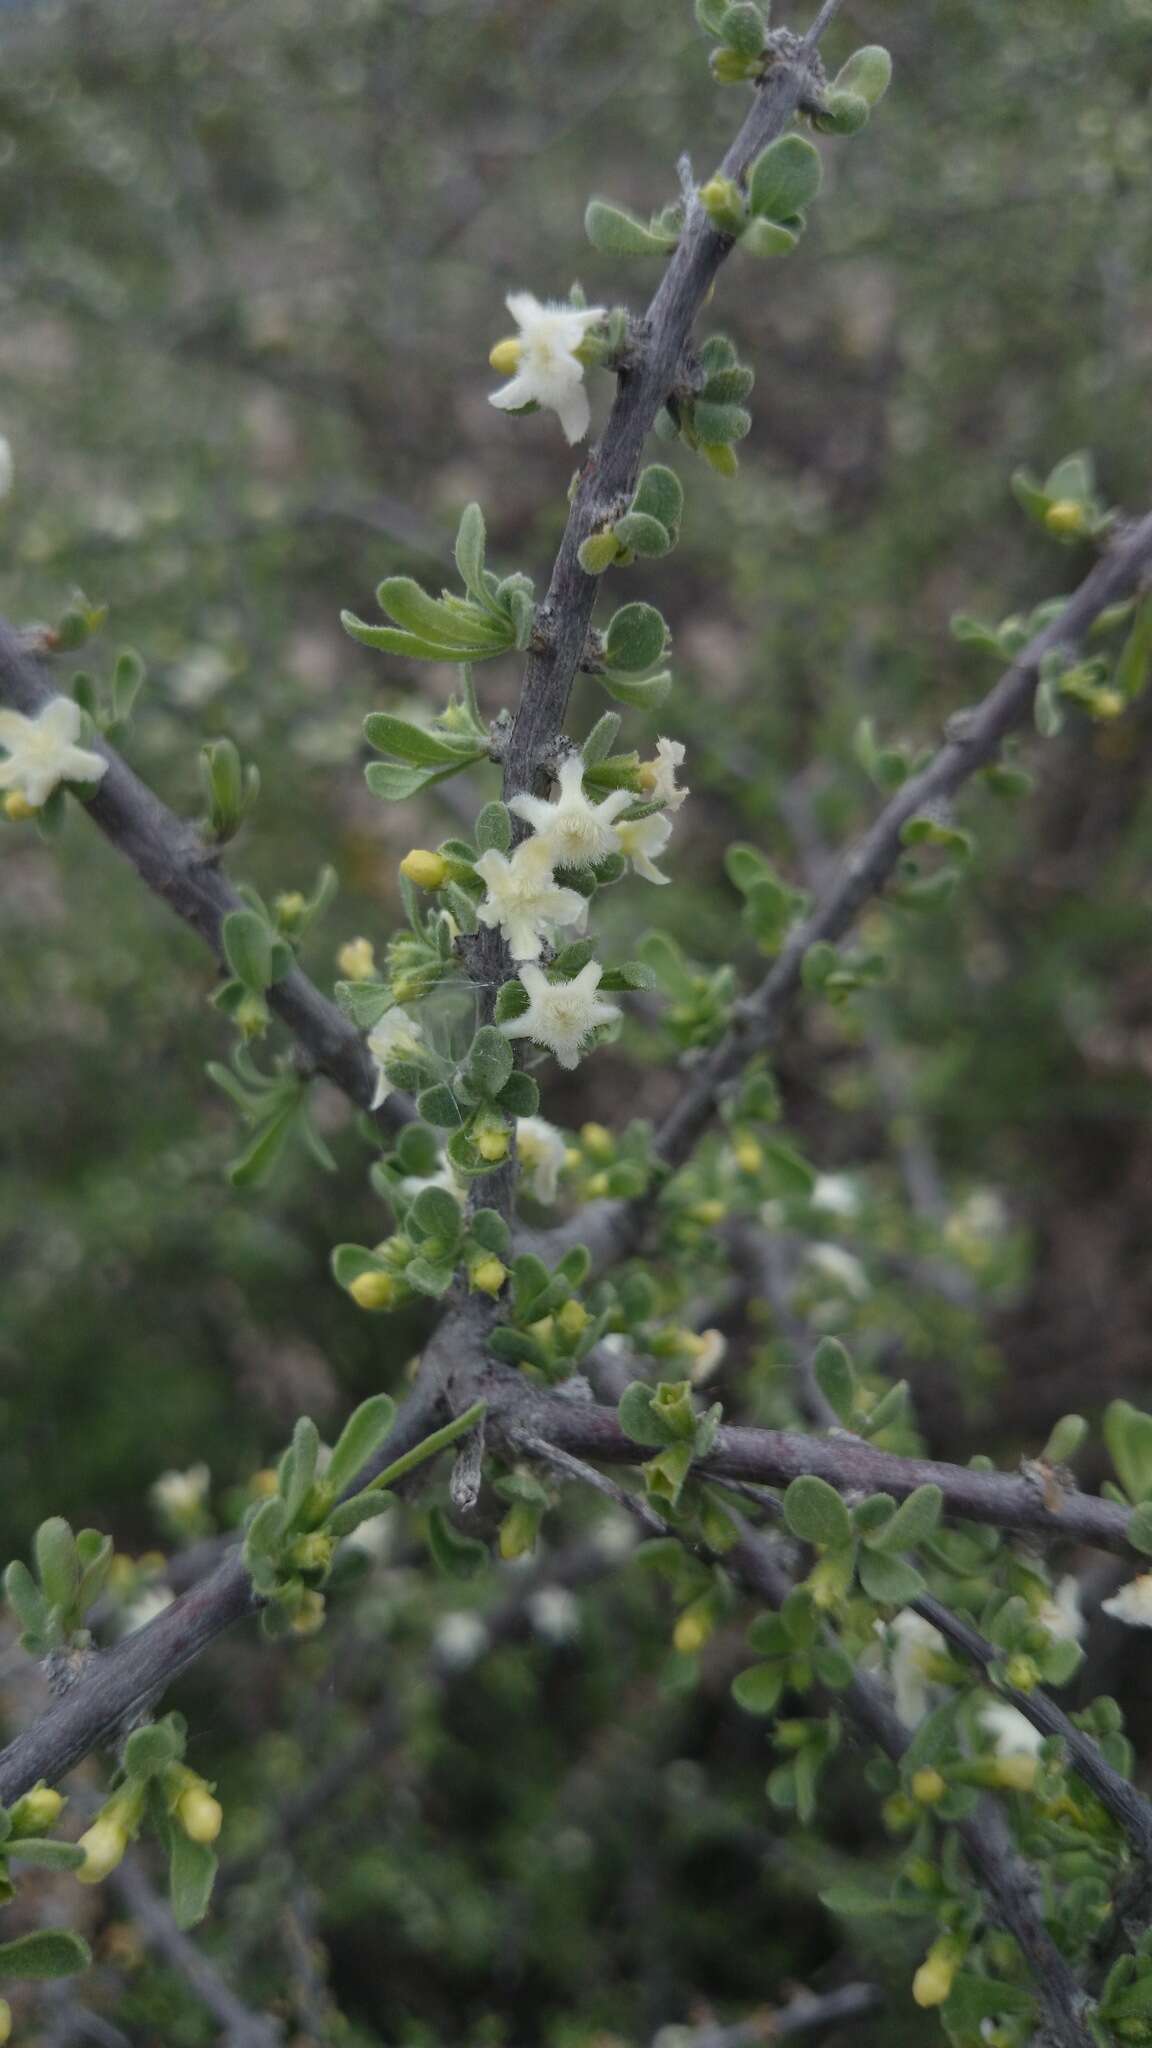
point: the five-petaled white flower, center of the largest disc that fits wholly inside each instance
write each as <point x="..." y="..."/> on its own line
<point x="658" y="777"/>
<point x="1062" y="1615"/>
<point x="561" y="1014"/>
<point x="396" y="1032"/>
<point x="524" y="898"/>
<point x="1133" y="1603"/>
<point x="641" y="839"/>
<point x="1012" y="1734"/>
<point x="42" y="751"/>
<point x="574" y="832"/>
<point x="541" y="1150"/>
<point x="917" y="1643"/>
<point x="548" y="370"/>
<point x="181" y="1493"/>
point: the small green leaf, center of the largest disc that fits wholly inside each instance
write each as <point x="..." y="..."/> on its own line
<point x="758" y="1689"/>
<point x="494" y="828"/>
<point x="489" y="1062"/>
<point x="815" y="1513"/>
<point x="617" y="233"/>
<point x="660" y="495"/>
<point x="914" y="1522"/>
<point x="718" y="425"/>
<point x="247" y="941"/>
<point x="641" y="534"/>
<point x="360" y="1439"/>
<point x="51" y="1952"/>
<point x="191" y="1875"/>
<point x="470" y="544"/>
<point x="597" y="552"/>
<point x="785" y="179"/>
<point x="415" y="744"/>
<point x="437" y="1214"/>
<point x="457" y="1555"/>
<point x="889" y="1579"/>
<point x="637" y="1419"/>
<point x="836" y="1377"/>
<point x="645" y="695"/>
<point x="429" y="1278"/>
<point x="636" y="638"/>
<point x="1128" y="1436"/>
<point x="439" y="1106"/>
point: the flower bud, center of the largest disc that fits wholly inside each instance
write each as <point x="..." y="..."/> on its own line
<point x="749" y="1156"/>
<point x="928" y="1787"/>
<point x="357" y="960"/>
<point x="693" y="1629"/>
<point x="104" y="1845"/>
<point x="544" y="1330"/>
<point x="898" y="1813"/>
<point x="933" y="1980"/>
<point x="251" y="1016"/>
<point x="1016" y="1773"/>
<point x="505" y="356"/>
<point x="5" y="2020"/>
<point x="309" y="1616"/>
<point x="1066" y="517"/>
<point x="313" y="1553"/>
<point x="571" y="1320"/>
<point x="708" y="1213"/>
<point x="290" y="909"/>
<point x="427" y="870"/>
<point x="723" y="202"/>
<point x="487" y="1276"/>
<point x="199" y="1814"/>
<point x="1022" y="1672"/>
<point x="37" y="1811"/>
<point x="597" y="1186"/>
<point x="597" y="1141"/>
<point x="19" y="810"/>
<point x="373" y="1290"/>
<point x="492" y="1143"/>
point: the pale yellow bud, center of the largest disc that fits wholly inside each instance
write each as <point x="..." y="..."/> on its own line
<point x="487" y="1276"/>
<point x="1022" y="1672"/>
<point x="1066" y="516"/>
<point x="707" y="1212"/>
<point x="749" y="1156"/>
<point x="290" y="907"/>
<point x="505" y="356"/>
<point x="692" y="1631"/>
<point x="427" y="870"/>
<point x="39" y="1810"/>
<point x="572" y="1319"/>
<point x="357" y="960"/>
<point x="309" y="1616"/>
<point x="103" y="1845"/>
<point x="598" y="1185"/>
<point x="200" y="1816"/>
<point x="597" y="1140"/>
<point x="313" y="1553"/>
<point x="492" y="1144"/>
<point x="373" y="1290"/>
<point x="933" y="1980"/>
<point x="544" y="1330"/>
<point x="19" y="810"/>
<point x="1017" y="1773"/>
<point x="928" y="1787"/>
<point x="1109" y="704"/>
<point x="264" y="1484"/>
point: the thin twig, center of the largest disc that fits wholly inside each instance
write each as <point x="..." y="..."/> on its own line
<point x="245" y="2028"/>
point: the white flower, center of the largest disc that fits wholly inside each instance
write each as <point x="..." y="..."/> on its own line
<point x="1061" y="1614"/>
<point x="842" y="1268"/>
<point x="561" y="1014"/>
<point x="554" y="1613"/>
<point x="708" y="1351"/>
<point x="459" y="1639"/>
<point x="836" y="1194"/>
<point x="548" y="371"/>
<point x="641" y="839"/>
<point x="444" y="1177"/>
<point x="575" y="833"/>
<point x="396" y="1032"/>
<point x="658" y="777"/>
<point x="42" y="751"/>
<point x="1012" y="1733"/>
<point x="181" y="1493"/>
<point x="540" y="1148"/>
<point x="917" y="1642"/>
<point x="7" y="466"/>
<point x="615" y="1537"/>
<point x="1133" y="1603"/>
<point x="145" y="1608"/>
<point x="524" y="898"/>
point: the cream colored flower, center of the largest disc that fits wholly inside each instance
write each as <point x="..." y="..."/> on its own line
<point x="524" y="898"/>
<point x="180" y="1494"/>
<point x="1012" y="1734"/>
<point x="396" y="1032"/>
<point x="548" y="370"/>
<point x="641" y="840"/>
<point x="1061" y="1615"/>
<point x="658" y="777"/>
<point x="42" y="751"/>
<point x="541" y="1151"/>
<point x="910" y="1664"/>
<point x="561" y="1014"/>
<point x="1133" y="1603"/>
<point x="574" y="832"/>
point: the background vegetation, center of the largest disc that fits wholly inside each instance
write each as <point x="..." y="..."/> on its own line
<point x="252" y="265"/>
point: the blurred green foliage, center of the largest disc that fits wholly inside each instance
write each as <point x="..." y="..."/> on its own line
<point x="252" y="266"/>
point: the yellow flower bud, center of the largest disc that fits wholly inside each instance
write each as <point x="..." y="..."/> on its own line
<point x="572" y="1156"/>
<point x="200" y="1816"/>
<point x="427" y="870"/>
<point x="313" y="1553"/>
<point x="309" y="1616"/>
<point x="487" y="1276"/>
<point x="1109" y="704"/>
<point x="933" y="1980"/>
<point x="544" y="1330"/>
<point x="709" y="1213"/>
<point x="928" y="1787"/>
<point x="373" y="1290"/>
<point x="692" y="1631"/>
<point x="749" y="1156"/>
<point x="505" y="356"/>
<point x="103" y="1845"/>
<point x="19" y="810"/>
<point x="1067" y="516"/>
<point x="357" y="960"/>
<point x="898" y="1813"/>
<point x="263" y="1485"/>
<point x="572" y="1319"/>
<point x="1017" y="1773"/>
<point x="597" y="1140"/>
<point x="5" y="2020"/>
<point x="492" y="1144"/>
<point x="1022" y="1672"/>
<point x="290" y="907"/>
<point x="37" y="1811"/>
<point x="597" y="1186"/>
